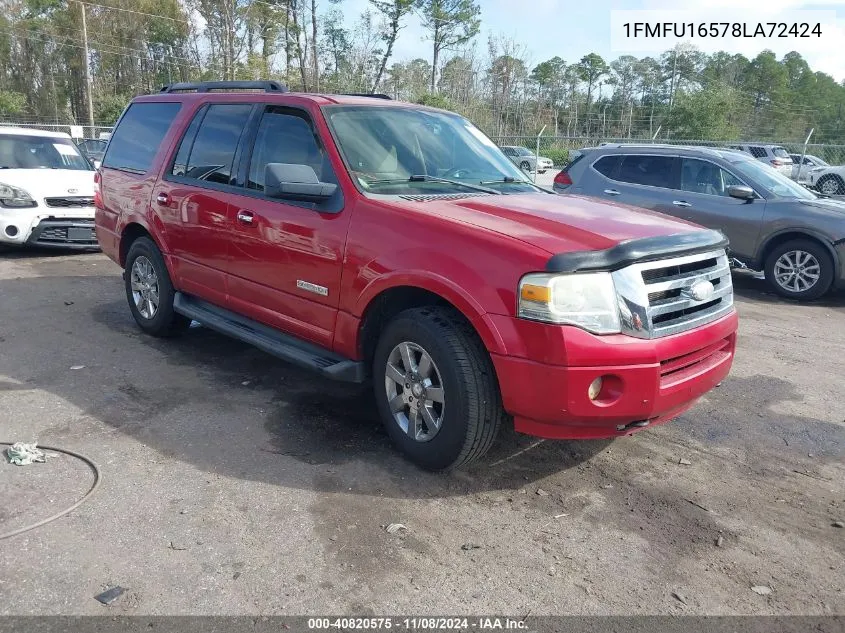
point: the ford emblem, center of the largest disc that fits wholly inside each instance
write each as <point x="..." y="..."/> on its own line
<point x="72" y="190"/>
<point x="701" y="290"/>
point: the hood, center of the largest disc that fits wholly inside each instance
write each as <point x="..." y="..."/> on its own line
<point x="826" y="206"/>
<point x="558" y="223"/>
<point x="48" y="183"/>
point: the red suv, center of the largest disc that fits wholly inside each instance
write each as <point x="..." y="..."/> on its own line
<point x="374" y="240"/>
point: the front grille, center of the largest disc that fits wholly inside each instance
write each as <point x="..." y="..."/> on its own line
<point x="73" y="201"/>
<point x="660" y="298"/>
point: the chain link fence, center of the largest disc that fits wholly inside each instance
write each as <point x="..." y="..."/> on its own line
<point x="558" y="148"/>
<point x="78" y="132"/>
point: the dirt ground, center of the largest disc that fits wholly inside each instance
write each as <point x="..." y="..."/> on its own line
<point x="233" y="483"/>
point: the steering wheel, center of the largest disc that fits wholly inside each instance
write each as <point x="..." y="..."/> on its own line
<point x="458" y="172"/>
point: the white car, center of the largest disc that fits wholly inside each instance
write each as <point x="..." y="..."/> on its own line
<point x="524" y="158"/>
<point x="828" y="180"/>
<point x="46" y="191"/>
<point x="809" y="163"/>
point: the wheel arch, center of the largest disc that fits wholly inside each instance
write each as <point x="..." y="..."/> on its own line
<point x="381" y="304"/>
<point x="786" y="235"/>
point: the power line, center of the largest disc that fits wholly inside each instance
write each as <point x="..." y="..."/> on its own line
<point x="151" y="15"/>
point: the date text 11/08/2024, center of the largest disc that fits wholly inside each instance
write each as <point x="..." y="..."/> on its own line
<point x="419" y="623"/>
<point x="705" y="30"/>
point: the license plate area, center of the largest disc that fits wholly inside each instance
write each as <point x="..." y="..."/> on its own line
<point x="80" y="234"/>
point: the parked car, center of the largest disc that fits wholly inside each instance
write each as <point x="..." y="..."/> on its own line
<point x="774" y="224"/>
<point x="828" y="180"/>
<point x="46" y="190"/>
<point x="526" y="160"/>
<point x="93" y="148"/>
<point x="374" y="240"/>
<point x="809" y="162"/>
<point x="773" y="155"/>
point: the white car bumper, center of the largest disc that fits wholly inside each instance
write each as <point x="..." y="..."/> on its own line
<point x="63" y="227"/>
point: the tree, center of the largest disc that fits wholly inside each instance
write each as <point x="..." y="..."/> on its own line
<point x="591" y="69"/>
<point x="450" y="23"/>
<point x="706" y="114"/>
<point x="394" y="11"/>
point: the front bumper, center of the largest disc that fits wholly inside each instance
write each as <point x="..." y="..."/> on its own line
<point x="647" y="382"/>
<point x="36" y="227"/>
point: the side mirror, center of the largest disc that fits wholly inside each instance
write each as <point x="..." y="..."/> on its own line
<point x="295" y="182"/>
<point x="742" y="192"/>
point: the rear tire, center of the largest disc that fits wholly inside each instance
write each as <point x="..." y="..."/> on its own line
<point x="525" y="166"/>
<point x="150" y="292"/>
<point x="455" y="392"/>
<point x="800" y="270"/>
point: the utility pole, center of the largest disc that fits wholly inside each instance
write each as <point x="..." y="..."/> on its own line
<point x="88" y="96"/>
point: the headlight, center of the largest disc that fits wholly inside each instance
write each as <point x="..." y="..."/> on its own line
<point x="15" y="198"/>
<point x="585" y="300"/>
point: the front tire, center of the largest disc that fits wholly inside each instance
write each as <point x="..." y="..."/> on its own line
<point x="525" y="166"/>
<point x="800" y="270"/>
<point x="436" y="389"/>
<point x="150" y="292"/>
<point x="831" y="185"/>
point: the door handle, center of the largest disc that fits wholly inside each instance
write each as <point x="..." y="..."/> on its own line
<point x="163" y="199"/>
<point x="681" y="203"/>
<point x="612" y="192"/>
<point x="246" y="217"/>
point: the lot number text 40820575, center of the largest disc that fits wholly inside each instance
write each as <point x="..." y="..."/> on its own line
<point x="703" y="30"/>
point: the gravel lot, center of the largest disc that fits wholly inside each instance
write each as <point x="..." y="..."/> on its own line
<point x="233" y="483"/>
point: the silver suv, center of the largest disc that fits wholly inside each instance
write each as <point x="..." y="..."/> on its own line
<point x="797" y="238"/>
<point x="773" y="155"/>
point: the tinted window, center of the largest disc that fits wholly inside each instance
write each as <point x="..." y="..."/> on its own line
<point x="655" y="171"/>
<point x="285" y="137"/>
<point x="757" y="152"/>
<point x="606" y="165"/>
<point x="134" y="143"/>
<point x="180" y="164"/>
<point x="213" y="149"/>
<point x="701" y="176"/>
<point x="780" y="152"/>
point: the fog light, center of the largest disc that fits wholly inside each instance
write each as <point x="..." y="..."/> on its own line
<point x="595" y="388"/>
<point x="11" y="230"/>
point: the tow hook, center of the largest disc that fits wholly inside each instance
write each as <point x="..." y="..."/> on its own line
<point x="734" y="263"/>
<point x="621" y="428"/>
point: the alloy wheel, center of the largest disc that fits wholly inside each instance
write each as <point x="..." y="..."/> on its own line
<point x="144" y="283"/>
<point x="797" y="271"/>
<point x="415" y="391"/>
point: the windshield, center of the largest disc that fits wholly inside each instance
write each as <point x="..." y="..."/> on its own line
<point x="384" y="147"/>
<point x="40" y="152"/>
<point x="772" y="180"/>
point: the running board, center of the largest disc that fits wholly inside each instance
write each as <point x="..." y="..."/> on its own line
<point x="283" y="346"/>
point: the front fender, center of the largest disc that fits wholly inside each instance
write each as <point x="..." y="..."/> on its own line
<point x="450" y="278"/>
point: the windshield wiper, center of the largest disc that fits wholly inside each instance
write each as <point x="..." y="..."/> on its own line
<point x="506" y="179"/>
<point x="427" y="178"/>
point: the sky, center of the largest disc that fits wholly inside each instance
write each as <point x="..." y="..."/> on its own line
<point x="572" y="28"/>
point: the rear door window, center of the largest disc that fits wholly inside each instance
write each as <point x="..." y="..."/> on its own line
<point x="654" y="171"/>
<point x="140" y="132"/>
<point x="208" y="154"/>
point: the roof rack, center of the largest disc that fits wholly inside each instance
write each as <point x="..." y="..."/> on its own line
<point x="375" y="95"/>
<point x="208" y="86"/>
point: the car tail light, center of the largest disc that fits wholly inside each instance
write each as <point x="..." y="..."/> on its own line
<point x="98" y="200"/>
<point x="563" y="179"/>
<point x="777" y="163"/>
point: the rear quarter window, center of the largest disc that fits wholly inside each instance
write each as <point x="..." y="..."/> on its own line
<point x="606" y="165"/>
<point x="780" y="152"/>
<point x="135" y="141"/>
